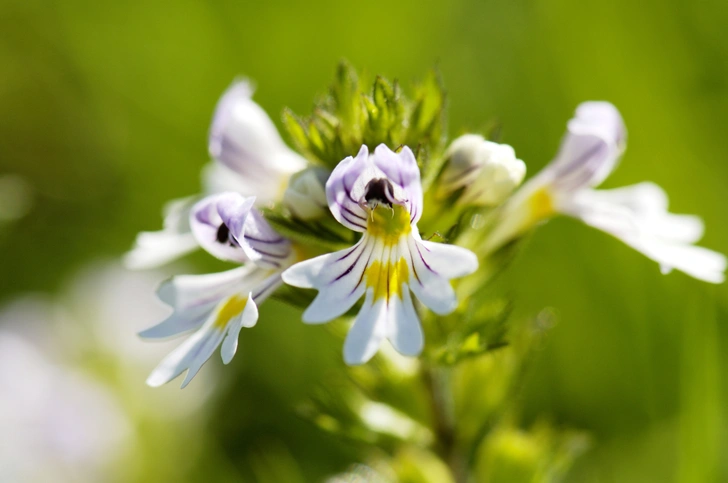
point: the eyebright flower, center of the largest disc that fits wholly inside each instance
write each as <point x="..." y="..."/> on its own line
<point x="217" y="306"/>
<point x="487" y="172"/>
<point x="380" y="196"/>
<point x="250" y="158"/>
<point x="637" y="215"/>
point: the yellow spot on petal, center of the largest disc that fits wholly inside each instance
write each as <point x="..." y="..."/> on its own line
<point x="387" y="279"/>
<point x="541" y="205"/>
<point x="230" y="308"/>
<point x="389" y="224"/>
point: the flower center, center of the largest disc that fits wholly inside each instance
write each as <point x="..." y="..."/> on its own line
<point x="389" y="224"/>
<point x="379" y="191"/>
<point x="387" y="278"/>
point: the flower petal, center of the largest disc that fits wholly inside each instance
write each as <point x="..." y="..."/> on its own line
<point x="402" y="170"/>
<point x="193" y="297"/>
<point x="338" y="276"/>
<point x="369" y="328"/>
<point x="243" y="138"/>
<point x="247" y="318"/>
<point x="191" y="355"/>
<point x="648" y="202"/>
<point x="660" y="236"/>
<point x="213" y="232"/>
<point x="450" y="261"/>
<point x="589" y="152"/>
<point x="428" y="285"/>
<point x="155" y="248"/>
<point x="405" y="331"/>
<point x="262" y="244"/>
<point x="432" y="266"/>
<point x="343" y="201"/>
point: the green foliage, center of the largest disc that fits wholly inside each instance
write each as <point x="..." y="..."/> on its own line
<point x="351" y="115"/>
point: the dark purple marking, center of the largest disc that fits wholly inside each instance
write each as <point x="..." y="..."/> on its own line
<point x="423" y="258"/>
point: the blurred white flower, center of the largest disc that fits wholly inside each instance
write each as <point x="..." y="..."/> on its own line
<point x="487" y="172"/>
<point x="637" y="215"/>
<point x="305" y="196"/>
<point x="56" y="424"/>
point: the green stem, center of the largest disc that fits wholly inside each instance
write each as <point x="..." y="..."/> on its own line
<point x="437" y="383"/>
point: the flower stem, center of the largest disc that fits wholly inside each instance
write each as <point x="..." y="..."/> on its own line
<point x="437" y="381"/>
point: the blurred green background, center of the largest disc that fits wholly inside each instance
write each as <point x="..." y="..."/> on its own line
<point x="105" y="111"/>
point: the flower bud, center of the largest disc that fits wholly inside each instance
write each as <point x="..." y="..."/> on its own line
<point x="306" y="194"/>
<point x="486" y="171"/>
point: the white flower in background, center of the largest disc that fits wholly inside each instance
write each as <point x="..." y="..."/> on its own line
<point x="380" y="196"/>
<point x="305" y="196"/>
<point x="244" y="139"/>
<point x="250" y="158"/>
<point x="57" y="424"/>
<point x="216" y="306"/>
<point x="637" y="214"/>
<point x="487" y="172"/>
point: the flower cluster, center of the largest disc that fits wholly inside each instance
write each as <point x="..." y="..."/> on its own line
<point x="347" y="217"/>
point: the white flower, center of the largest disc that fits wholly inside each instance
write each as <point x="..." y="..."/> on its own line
<point x="244" y="139"/>
<point x="250" y="158"/>
<point x="217" y="306"/>
<point x="380" y="196"/>
<point x="487" y="172"/>
<point x="305" y="196"/>
<point x="636" y="214"/>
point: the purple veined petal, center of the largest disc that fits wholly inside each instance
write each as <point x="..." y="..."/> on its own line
<point x="386" y="313"/>
<point x="591" y="148"/>
<point x="243" y="138"/>
<point x="212" y="232"/>
<point x="262" y="244"/>
<point x="154" y="248"/>
<point x="338" y="276"/>
<point x="344" y="205"/>
<point x="601" y="117"/>
<point x="449" y="261"/>
<point x="352" y="185"/>
<point x="429" y="286"/>
<point x="402" y="170"/>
